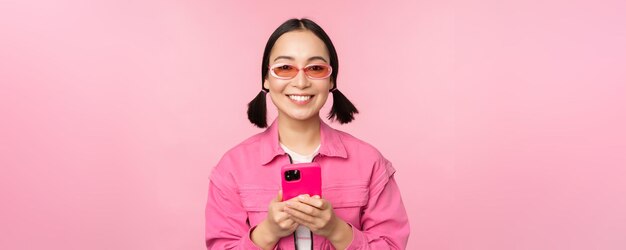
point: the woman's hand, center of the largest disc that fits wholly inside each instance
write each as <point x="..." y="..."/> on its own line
<point x="276" y="225"/>
<point x="317" y="214"/>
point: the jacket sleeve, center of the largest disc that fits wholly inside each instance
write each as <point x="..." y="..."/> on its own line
<point x="384" y="222"/>
<point x="225" y="217"/>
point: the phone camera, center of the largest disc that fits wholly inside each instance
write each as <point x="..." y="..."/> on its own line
<point x="292" y="175"/>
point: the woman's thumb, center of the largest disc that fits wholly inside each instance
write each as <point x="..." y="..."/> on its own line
<point x="279" y="198"/>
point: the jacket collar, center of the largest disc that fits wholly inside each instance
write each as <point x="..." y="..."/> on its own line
<point x="331" y="144"/>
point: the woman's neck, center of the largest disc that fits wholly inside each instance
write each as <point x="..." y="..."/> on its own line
<point x="303" y="137"/>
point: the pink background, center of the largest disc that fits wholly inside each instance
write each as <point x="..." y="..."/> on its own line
<point x="505" y="121"/>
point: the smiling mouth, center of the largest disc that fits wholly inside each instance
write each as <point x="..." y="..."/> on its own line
<point x="300" y="98"/>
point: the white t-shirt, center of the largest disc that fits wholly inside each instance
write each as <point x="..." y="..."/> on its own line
<point x="304" y="240"/>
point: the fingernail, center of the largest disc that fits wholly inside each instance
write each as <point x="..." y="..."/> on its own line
<point x="301" y="197"/>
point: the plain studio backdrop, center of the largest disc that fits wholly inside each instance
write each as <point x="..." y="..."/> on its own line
<point x="504" y="119"/>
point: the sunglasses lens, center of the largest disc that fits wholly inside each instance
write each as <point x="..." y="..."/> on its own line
<point x="285" y="71"/>
<point x="317" y="71"/>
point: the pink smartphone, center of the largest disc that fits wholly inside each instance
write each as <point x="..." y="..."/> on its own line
<point x="301" y="178"/>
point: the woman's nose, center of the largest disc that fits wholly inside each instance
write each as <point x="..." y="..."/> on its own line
<point x="300" y="80"/>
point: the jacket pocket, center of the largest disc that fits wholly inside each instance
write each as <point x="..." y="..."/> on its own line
<point x="256" y="201"/>
<point x="348" y="201"/>
<point x="346" y="195"/>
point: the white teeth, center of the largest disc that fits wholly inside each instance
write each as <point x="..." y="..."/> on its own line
<point x="300" y="98"/>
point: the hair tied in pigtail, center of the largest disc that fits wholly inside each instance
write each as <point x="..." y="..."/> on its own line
<point x="257" y="110"/>
<point x="342" y="110"/>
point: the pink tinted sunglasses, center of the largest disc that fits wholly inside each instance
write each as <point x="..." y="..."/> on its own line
<point x="286" y="71"/>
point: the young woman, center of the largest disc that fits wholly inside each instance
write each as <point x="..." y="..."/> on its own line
<point x="360" y="207"/>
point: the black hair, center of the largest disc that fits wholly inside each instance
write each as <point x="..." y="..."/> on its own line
<point x="342" y="110"/>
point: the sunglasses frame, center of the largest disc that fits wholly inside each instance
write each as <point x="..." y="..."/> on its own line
<point x="273" y="66"/>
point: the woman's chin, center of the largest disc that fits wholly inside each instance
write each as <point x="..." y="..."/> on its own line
<point x="303" y="117"/>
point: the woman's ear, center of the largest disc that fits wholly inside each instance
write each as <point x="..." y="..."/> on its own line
<point x="266" y="84"/>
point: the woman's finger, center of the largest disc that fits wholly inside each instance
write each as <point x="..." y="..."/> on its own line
<point x="295" y="214"/>
<point x="302" y="207"/>
<point x="304" y="223"/>
<point x="287" y="224"/>
<point x="314" y="201"/>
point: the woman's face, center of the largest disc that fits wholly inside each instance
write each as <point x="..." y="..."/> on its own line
<point x="299" y="98"/>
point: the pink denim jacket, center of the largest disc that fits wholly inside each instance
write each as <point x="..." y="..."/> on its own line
<point x="356" y="179"/>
